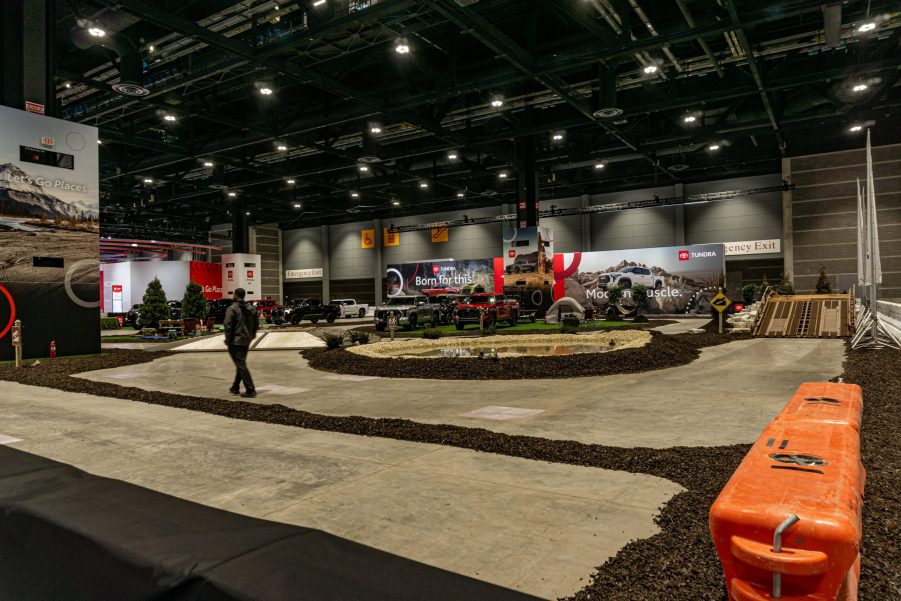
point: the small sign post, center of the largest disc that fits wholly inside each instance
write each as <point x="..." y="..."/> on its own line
<point x="720" y="302"/>
<point x="392" y="324"/>
<point x="17" y="341"/>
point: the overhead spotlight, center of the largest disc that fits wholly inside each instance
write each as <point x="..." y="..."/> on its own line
<point x="231" y="194"/>
<point x="68" y="85"/>
<point x="290" y="182"/>
<point x="860" y="87"/>
<point x="169" y="118"/>
<point x="266" y="91"/>
<point x="282" y="147"/>
<point x="502" y="175"/>
<point x="375" y="129"/>
<point x="855" y="128"/>
<point x="100" y="141"/>
<point x="713" y="147"/>
<point x="134" y="244"/>
<point x="355" y="195"/>
<point x="319" y="3"/>
<point x="423" y="185"/>
<point x="497" y="102"/>
<point x="208" y="163"/>
<point x="296" y="205"/>
<point x="147" y="180"/>
<point x="557" y="137"/>
<point x="599" y="165"/>
<point x="461" y="194"/>
<point x="364" y="168"/>
<point x="395" y="202"/>
<point x="247" y="213"/>
<point x="866" y="27"/>
<point x="689" y="119"/>
<point x="151" y="48"/>
<point x="452" y="155"/>
<point x="97" y="32"/>
<point x="650" y="69"/>
<point x="402" y="47"/>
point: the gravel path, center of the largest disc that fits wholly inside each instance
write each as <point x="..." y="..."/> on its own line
<point x="677" y="564"/>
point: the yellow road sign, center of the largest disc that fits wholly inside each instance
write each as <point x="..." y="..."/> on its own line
<point x="720" y="302"/>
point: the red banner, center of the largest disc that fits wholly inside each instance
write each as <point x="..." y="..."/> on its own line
<point x="208" y="275"/>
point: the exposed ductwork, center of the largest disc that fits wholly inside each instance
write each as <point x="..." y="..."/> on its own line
<point x="605" y="103"/>
<point x="131" y="64"/>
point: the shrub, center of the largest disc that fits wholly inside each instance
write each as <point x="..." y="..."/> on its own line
<point x="614" y="294"/>
<point x="109" y="323"/>
<point x="786" y="287"/>
<point x="431" y="333"/>
<point x="332" y="340"/>
<point x="153" y="306"/>
<point x="749" y="293"/>
<point x="824" y="286"/>
<point x="358" y="336"/>
<point x="570" y="325"/>
<point x="194" y="303"/>
<point x="639" y="297"/>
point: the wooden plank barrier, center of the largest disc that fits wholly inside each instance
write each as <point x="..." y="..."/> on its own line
<point x="787" y="525"/>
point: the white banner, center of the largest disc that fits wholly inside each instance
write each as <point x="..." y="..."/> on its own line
<point x="303" y="274"/>
<point x="753" y="247"/>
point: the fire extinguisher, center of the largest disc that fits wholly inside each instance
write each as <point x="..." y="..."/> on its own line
<point x="53" y="349"/>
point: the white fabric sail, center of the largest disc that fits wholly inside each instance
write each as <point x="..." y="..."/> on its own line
<point x="875" y="265"/>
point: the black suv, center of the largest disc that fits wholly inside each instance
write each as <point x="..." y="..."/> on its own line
<point x="313" y="311"/>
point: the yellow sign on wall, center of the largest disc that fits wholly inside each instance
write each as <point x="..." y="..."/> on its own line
<point x="367" y="238"/>
<point x="392" y="237"/>
<point x="439" y="234"/>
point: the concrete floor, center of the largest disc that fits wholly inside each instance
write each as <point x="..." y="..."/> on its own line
<point x="536" y="527"/>
<point x="727" y="396"/>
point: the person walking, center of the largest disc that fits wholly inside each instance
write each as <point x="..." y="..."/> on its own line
<point x="241" y="325"/>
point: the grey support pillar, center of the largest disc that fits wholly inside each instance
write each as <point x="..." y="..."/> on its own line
<point x="585" y="220"/>
<point x="679" y="217"/>
<point x="379" y="269"/>
<point x="788" y="249"/>
<point x="326" y="263"/>
<point x="240" y="230"/>
<point x="527" y="183"/>
<point x="27" y="45"/>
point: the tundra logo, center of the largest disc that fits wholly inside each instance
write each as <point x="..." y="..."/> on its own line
<point x="684" y="255"/>
<point x="436" y="269"/>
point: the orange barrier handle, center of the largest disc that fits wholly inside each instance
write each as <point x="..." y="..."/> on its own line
<point x="794" y="562"/>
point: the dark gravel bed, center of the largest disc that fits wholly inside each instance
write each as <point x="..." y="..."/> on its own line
<point x="661" y="352"/>
<point x="677" y="564"/>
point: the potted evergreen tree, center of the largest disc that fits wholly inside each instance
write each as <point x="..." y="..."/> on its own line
<point x="194" y="307"/>
<point x="824" y="286"/>
<point x="153" y="305"/>
<point x="640" y="299"/>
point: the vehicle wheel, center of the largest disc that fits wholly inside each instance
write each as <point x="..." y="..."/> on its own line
<point x="314" y="320"/>
<point x="380" y="327"/>
<point x="295" y="320"/>
<point x="658" y="285"/>
<point x="460" y="326"/>
<point x="330" y="318"/>
<point x="625" y="283"/>
<point x="412" y="324"/>
<point x="362" y="313"/>
<point x="513" y="319"/>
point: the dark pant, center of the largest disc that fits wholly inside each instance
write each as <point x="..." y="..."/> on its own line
<point x="239" y="358"/>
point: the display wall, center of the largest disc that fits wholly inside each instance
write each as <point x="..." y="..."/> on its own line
<point x="49" y="233"/>
<point x="130" y="279"/>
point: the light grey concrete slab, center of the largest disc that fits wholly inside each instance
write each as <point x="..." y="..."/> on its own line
<point x="533" y="526"/>
<point x="727" y="396"/>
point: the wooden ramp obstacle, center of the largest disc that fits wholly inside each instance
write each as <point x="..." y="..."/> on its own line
<point x="806" y="316"/>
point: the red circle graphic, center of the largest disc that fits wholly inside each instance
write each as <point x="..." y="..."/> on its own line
<point x="12" y="311"/>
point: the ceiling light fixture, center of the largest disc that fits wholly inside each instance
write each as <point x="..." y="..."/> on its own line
<point x="855" y="128"/>
<point x="266" y="91"/>
<point x="461" y="194"/>
<point x="713" y="147"/>
<point x="423" y="185"/>
<point x="169" y="118"/>
<point x="866" y="27"/>
<point x="689" y="119"/>
<point x="364" y="168"/>
<point x="502" y="175"/>
<point x="375" y="129"/>
<point x="282" y="147"/>
<point x="319" y="3"/>
<point x="650" y="69"/>
<point x="860" y="87"/>
<point x="100" y="141"/>
<point x="497" y="102"/>
<point x="599" y="165"/>
<point x="151" y="48"/>
<point x="134" y="244"/>
<point x="208" y="163"/>
<point x="147" y="180"/>
<point x="68" y="85"/>
<point x="296" y="205"/>
<point x="247" y="213"/>
<point x="557" y="137"/>
<point x="402" y="47"/>
<point x="452" y="155"/>
<point x="231" y="194"/>
<point x="396" y="203"/>
<point x="290" y="182"/>
<point x="355" y="195"/>
<point x="96" y="32"/>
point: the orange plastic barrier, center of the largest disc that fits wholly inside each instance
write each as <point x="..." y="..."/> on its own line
<point x="787" y="525"/>
<point x="826" y="402"/>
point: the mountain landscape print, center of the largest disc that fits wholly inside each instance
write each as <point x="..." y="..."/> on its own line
<point x="21" y="197"/>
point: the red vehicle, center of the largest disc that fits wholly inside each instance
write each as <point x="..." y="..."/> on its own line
<point x="440" y="289"/>
<point x="265" y="307"/>
<point x="492" y="308"/>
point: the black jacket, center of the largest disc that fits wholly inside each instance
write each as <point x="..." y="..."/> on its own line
<point x="241" y="324"/>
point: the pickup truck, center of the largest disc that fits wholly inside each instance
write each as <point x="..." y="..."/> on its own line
<point x="267" y="308"/>
<point x="412" y="311"/>
<point x="348" y="307"/>
<point x="631" y="276"/>
<point x="495" y="307"/>
<point x="313" y="311"/>
<point x="523" y="264"/>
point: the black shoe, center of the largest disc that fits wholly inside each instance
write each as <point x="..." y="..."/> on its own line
<point x="249" y="394"/>
<point x="234" y="390"/>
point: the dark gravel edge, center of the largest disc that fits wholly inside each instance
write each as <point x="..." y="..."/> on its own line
<point x="661" y="352"/>
<point x="677" y="564"/>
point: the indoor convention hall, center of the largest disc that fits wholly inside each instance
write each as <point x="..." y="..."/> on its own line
<point x="450" y="300"/>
